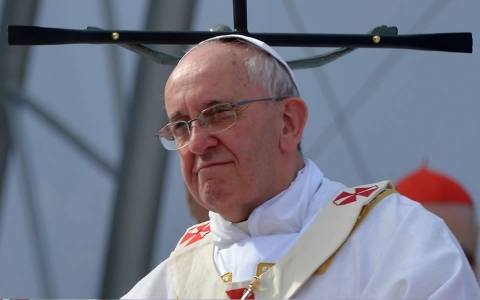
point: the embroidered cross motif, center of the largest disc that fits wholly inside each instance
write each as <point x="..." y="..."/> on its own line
<point x="196" y="234"/>
<point x="346" y="198"/>
<point x="238" y="293"/>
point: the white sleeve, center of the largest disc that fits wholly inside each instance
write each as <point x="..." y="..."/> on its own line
<point x="420" y="257"/>
<point x="156" y="285"/>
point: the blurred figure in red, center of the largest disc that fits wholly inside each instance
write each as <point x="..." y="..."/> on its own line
<point x="446" y="198"/>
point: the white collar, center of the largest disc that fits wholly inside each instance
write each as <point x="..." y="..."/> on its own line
<point x="288" y="212"/>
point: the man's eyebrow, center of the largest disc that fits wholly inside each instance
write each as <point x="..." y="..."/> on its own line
<point x="213" y="102"/>
<point x="178" y="116"/>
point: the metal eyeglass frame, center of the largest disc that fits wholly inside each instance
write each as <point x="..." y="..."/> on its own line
<point x="166" y="142"/>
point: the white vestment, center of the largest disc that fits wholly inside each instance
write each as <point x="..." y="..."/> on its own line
<point x="399" y="251"/>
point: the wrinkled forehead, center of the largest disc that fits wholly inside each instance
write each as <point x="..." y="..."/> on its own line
<point x="209" y="73"/>
<point x="251" y="43"/>
<point x="209" y="64"/>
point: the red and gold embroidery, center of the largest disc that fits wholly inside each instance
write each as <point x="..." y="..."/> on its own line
<point x="346" y="197"/>
<point x="195" y="234"/>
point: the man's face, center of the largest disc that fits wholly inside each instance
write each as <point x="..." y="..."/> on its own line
<point x="234" y="171"/>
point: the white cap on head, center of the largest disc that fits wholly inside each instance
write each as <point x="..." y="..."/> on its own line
<point x="259" y="44"/>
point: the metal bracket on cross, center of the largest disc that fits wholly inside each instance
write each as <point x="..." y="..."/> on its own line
<point x="379" y="37"/>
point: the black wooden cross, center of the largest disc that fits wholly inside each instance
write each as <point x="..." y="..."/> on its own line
<point x="34" y="35"/>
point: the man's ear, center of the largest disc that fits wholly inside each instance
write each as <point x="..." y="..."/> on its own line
<point x="295" y="113"/>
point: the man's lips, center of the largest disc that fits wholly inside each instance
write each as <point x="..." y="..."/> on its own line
<point x="210" y="165"/>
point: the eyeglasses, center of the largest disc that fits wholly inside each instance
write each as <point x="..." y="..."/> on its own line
<point x="214" y="119"/>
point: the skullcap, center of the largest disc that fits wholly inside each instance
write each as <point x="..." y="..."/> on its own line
<point x="427" y="186"/>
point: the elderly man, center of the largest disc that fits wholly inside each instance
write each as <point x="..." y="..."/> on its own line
<point x="449" y="200"/>
<point x="278" y="228"/>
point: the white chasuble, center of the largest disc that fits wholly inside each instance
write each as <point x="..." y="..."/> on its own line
<point x="399" y="250"/>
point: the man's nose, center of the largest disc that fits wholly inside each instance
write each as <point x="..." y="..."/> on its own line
<point x="200" y="139"/>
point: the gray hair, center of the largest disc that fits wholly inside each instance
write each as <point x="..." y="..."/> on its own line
<point x="263" y="69"/>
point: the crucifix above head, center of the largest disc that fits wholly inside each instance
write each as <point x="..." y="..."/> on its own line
<point x="379" y="37"/>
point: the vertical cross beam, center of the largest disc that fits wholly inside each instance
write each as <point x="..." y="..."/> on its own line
<point x="240" y="16"/>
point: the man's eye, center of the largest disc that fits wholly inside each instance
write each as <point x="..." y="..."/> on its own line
<point x="179" y="129"/>
<point x="178" y="126"/>
<point x="219" y="110"/>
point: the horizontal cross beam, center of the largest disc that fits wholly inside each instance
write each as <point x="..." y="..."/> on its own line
<point x="448" y="42"/>
<point x="34" y="35"/>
